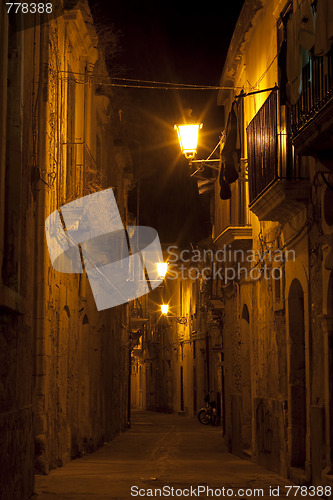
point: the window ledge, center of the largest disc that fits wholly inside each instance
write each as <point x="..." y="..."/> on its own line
<point x="235" y="236"/>
<point x="281" y="200"/>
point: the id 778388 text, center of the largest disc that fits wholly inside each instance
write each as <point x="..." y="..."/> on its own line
<point x="29" y="8"/>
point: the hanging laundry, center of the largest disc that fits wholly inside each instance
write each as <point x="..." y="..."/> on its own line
<point x="205" y="185"/>
<point x="324" y="27"/>
<point x="300" y="41"/>
<point x="294" y="58"/>
<point x="306" y="25"/>
<point x="225" y="191"/>
<point x="231" y="151"/>
<point x="282" y="62"/>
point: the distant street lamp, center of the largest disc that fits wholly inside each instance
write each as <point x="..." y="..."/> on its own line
<point x="162" y="269"/>
<point x="180" y="319"/>
<point x="165" y="309"/>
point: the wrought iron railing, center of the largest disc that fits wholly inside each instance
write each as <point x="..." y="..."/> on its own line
<point x="270" y="156"/>
<point x="92" y="174"/>
<point x="82" y="175"/>
<point x="317" y="91"/>
<point x="136" y="309"/>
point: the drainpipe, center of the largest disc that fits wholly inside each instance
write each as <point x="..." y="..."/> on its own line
<point x="308" y="459"/>
<point x="207" y="362"/>
<point x="129" y="380"/>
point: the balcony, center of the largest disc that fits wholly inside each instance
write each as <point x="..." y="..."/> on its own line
<point x="312" y="115"/>
<point x="80" y="173"/>
<point x="137" y="319"/>
<point x="277" y="187"/>
<point x="232" y="225"/>
<point x="235" y="237"/>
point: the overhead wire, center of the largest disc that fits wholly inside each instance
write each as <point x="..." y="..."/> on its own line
<point x="137" y="83"/>
<point x="157" y="85"/>
<point x="146" y="84"/>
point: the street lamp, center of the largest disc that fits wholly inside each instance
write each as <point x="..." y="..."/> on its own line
<point x="165" y="309"/>
<point x="180" y="319"/>
<point x="188" y="136"/>
<point x="162" y="269"/>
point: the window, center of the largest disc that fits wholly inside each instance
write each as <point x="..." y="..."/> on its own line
<point x="278" y="286"/>
<point x="71" y="180"/>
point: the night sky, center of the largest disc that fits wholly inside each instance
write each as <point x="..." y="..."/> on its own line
<point x="183" y="41"/>
<point x="179" y="42"/>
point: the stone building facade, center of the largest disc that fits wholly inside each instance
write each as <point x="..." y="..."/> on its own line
<point x="259" y="333"/>
<point x="278" y="311"/>
<point x="62" y="387"/>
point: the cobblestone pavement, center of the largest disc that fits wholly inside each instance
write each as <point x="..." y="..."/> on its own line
<point x="164" y="451"/>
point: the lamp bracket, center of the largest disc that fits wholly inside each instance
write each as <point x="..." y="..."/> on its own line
<point x="206" y="163"/>
<point x="181" y="320"/>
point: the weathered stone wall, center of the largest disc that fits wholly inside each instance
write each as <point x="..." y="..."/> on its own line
<point x="63" y="365"/>
<point x="321" y="328"/>
<point x="83" y="362"/>
<point x="81" y="390"/>
<point x="290" y="322"/>
<point x="16" y="276"/>
<point x="233" y="370"/>
<point x="16" y="426"/>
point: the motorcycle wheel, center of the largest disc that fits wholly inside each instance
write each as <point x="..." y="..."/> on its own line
<point x="203" y="417"/>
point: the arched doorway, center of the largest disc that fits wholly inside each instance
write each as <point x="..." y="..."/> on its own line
<point x="246" y="382"/>
<point x="297" y="376"/>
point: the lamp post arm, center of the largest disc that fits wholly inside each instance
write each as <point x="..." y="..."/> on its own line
<point x="207" y="163"/>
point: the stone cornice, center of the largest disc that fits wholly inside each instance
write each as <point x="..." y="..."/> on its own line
<point x="236" y="47"/>
<point x="79" y="36"/>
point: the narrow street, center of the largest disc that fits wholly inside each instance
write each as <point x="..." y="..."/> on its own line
<point x="160" y="450"/>
<point x="166" y="242"/>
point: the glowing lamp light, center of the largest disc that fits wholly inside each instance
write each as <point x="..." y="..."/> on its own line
<point x="164" y="309"/>
<point x="162" y="268"/>
<point x="188" y="135"/>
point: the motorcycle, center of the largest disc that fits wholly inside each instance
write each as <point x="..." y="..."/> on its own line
<point x="208" y="414"/>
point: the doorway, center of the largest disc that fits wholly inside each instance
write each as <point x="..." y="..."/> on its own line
<point x="246" y="382"/>
<point x="181" y="389"/>
<point x="297" y="375"/>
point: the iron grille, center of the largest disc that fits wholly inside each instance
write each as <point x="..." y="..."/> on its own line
<point x="317" y="91"/>
<point x="262" y="147"/>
